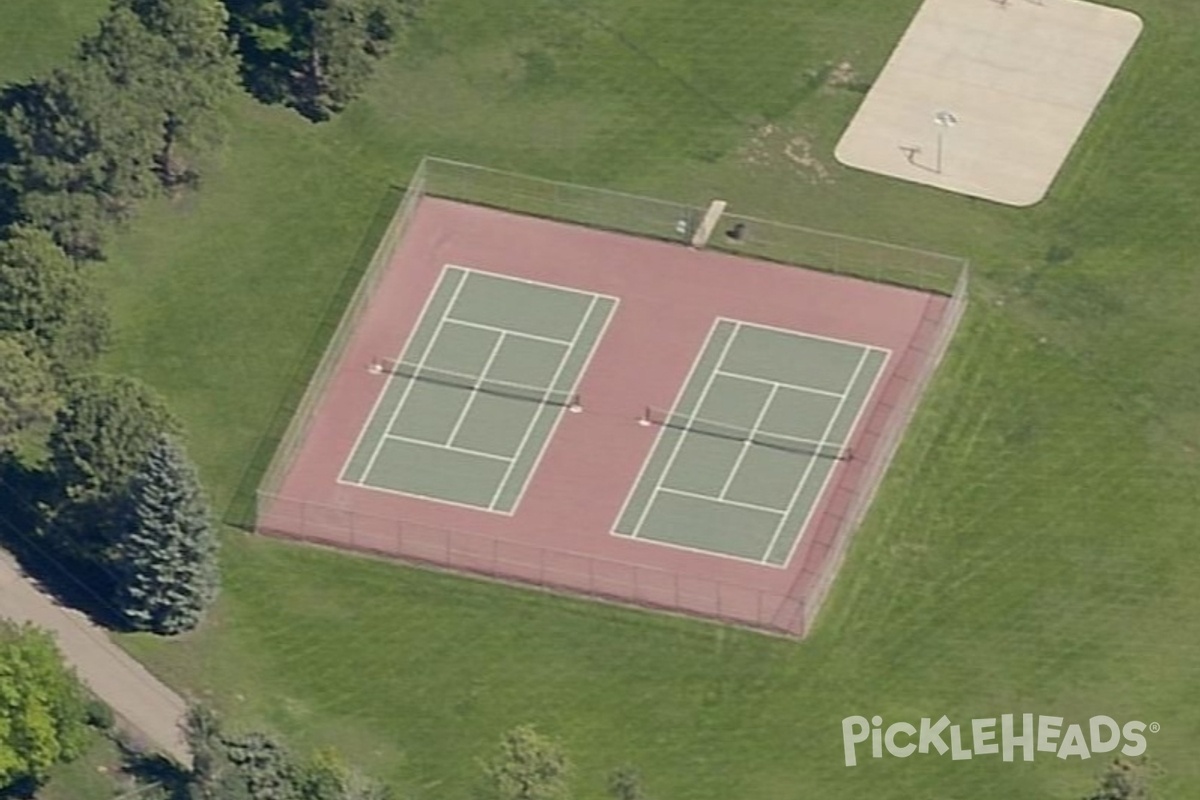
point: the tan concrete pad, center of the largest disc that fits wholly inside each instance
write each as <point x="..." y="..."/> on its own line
<point x="1019" y="80"/>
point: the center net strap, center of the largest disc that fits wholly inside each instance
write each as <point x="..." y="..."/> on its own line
<point x="475" y="383"/>
<point x="721" y="430"/>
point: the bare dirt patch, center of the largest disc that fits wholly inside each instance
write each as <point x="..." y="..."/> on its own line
<point x="775" y="145"/>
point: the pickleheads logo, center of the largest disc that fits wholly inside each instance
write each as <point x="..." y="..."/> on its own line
<point x="992" y="736"/>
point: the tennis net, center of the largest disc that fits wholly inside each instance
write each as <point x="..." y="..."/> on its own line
<point x="476" y="383"/>
<point x="761" y="438"/>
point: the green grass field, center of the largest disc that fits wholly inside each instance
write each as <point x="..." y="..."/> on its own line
<point x="96" y="775"/>
<point x="1033" y="549"/>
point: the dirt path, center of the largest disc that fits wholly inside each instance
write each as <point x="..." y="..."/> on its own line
<point x="150" y="712"/>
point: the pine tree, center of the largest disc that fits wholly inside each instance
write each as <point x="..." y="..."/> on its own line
<point x="166" y="558"/>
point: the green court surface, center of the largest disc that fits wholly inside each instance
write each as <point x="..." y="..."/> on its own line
<point x="743" y="457"/>
<point x="470" y="405"/>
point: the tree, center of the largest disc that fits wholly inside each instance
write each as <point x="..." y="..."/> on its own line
<point x="80" y="147"/>
<point x="262" y="765"/>
<point x="625" y="783"/>
<point x="42" y="706"/>
<point x="99" y="440"/>
<point x="78" y="221"/>
<point x="339" y="57"/>
<point x="257" y="766"/>
<point x="28" y="396"/>
<point x="211" y="771"/>
<point x="527" y="766"/>
<point x="76" y="152"/>
<point x="44" y="294"/>
<point x="315" y="55"/>
<point x="172" y="56"/>
<point x="166" y="556"/>
<point x="227" y="766"/>
<point x="1123" y="780"/>
<point x="104" y="433"/>
<point x="327" y="777"/>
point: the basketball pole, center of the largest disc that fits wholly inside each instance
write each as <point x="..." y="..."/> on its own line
<point x="943" y="120"/>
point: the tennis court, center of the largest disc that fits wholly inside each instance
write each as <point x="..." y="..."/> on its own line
<point x="465" y="412"/>
<point x="734" y="416"/>
<point x="741" y="460"/>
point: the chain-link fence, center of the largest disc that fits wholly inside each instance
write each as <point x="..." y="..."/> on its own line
<point x="533" y="565"/>
<point x="658" y="219"/>
<point x="566" y="202"/>
<point x="851" y="496"/>
<point x="791" y="613"/>
<point x="293" y="436"/>
<point x="832" y="252"/>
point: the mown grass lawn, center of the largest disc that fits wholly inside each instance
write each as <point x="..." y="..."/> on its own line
<point x="95" y="775"/>
<point x="1032" y="551"/>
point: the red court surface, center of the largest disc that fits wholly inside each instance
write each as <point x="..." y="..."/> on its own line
<point x="560" y="534"/>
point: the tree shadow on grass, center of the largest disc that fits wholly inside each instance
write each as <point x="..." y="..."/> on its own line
<point x="149" y="769"/>
<point x="72" y="582"/>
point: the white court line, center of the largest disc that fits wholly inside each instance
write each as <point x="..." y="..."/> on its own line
<point x="813" y="461"/>
<point x="806" y="335"/>
<point x="479" y="379"/>
<point x="703" y="552"/>
<point x="465" y="272"/>
<point x="583" y="370"/>
<point x="849" y="438"/>
<point x="737" y="465"/>
<point x="408" y="388"/>
<point x="662" y="432"/>
<point x="532" y="282"/>
<point x="562" y="362"/>
<point x="754" y="506"/>
<point x="388" y="383"/>
<point x="437" y="446"/>
<point x="554" y="382"/>
<point x="776" y="384"/>
<point x="430" y="497"/>
<point x="679" y="442"/>
<point x="481" y="326"/>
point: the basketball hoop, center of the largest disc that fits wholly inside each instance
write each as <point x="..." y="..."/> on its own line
<point x="945" y="118"/>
